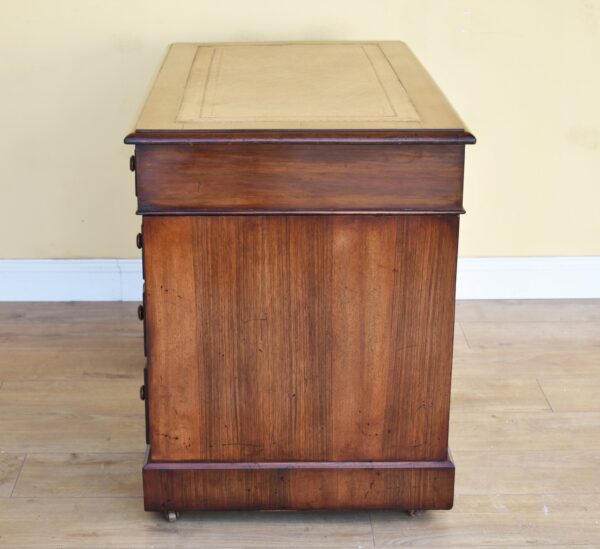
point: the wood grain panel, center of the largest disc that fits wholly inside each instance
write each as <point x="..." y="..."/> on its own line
<point x="295" y="177"/>
<point x="172" y="331"/>
<point x="282" y="339"/>
<point x="392" y="376"/>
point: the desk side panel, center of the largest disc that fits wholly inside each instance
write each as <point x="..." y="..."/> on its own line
<point x="300" y="338"/>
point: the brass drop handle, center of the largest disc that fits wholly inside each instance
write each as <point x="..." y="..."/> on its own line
<point x="139" y="241"/>
<point x="143" y="392"/>
<point x="132" y="162"/>
<point x="141" y="312"/>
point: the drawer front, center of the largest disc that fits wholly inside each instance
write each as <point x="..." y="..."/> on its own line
<point x="299" y="178"/>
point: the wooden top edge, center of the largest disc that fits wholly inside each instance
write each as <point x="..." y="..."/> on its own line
<point x="149" y="137"/>
<point x="306" y="213"/>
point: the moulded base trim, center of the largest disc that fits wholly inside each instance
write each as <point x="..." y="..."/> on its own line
<point x="196" y="486"/>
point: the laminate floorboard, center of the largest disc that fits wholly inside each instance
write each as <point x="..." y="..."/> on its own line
<point x="524" y="431"/>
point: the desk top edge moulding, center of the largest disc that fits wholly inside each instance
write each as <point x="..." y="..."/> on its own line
<point x="300" y="207"/>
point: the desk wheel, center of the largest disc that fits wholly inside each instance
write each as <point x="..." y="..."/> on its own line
<point x="171" y="516"/>
<point x="415" y="512"/>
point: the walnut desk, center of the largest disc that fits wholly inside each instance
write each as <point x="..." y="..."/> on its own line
<point x="300" y="207"/>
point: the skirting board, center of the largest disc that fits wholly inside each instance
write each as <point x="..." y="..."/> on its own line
<point x="121" y="279"/>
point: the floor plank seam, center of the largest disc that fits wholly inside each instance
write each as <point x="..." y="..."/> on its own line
<point x="544" y="393"/>
<point x="464" y="335"/>
<point x="18" y="477"/>
<point x="372" y="529"/>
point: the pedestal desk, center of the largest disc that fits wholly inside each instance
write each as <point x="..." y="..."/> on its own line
<point x="300" y="206"/>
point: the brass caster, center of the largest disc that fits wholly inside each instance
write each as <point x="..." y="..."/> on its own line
<point x="415" y="512"/>
<point x="171" y="516"/>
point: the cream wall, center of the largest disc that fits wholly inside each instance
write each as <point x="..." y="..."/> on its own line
<point x="524" y="75"/>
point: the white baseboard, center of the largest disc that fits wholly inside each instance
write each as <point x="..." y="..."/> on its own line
<point x="70" y="279"/>
<point x="121" y="279"/>
<point x="528" y="277"/>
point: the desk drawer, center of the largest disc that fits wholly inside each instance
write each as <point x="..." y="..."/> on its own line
<point x="298" y="178"/>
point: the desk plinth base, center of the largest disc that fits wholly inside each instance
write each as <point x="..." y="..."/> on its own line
<point x="195" y="486"/>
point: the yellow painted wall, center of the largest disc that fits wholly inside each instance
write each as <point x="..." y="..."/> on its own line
<point x="524" y="75"/>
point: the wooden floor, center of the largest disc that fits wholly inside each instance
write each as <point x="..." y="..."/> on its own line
<point x="525" y="434"/>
